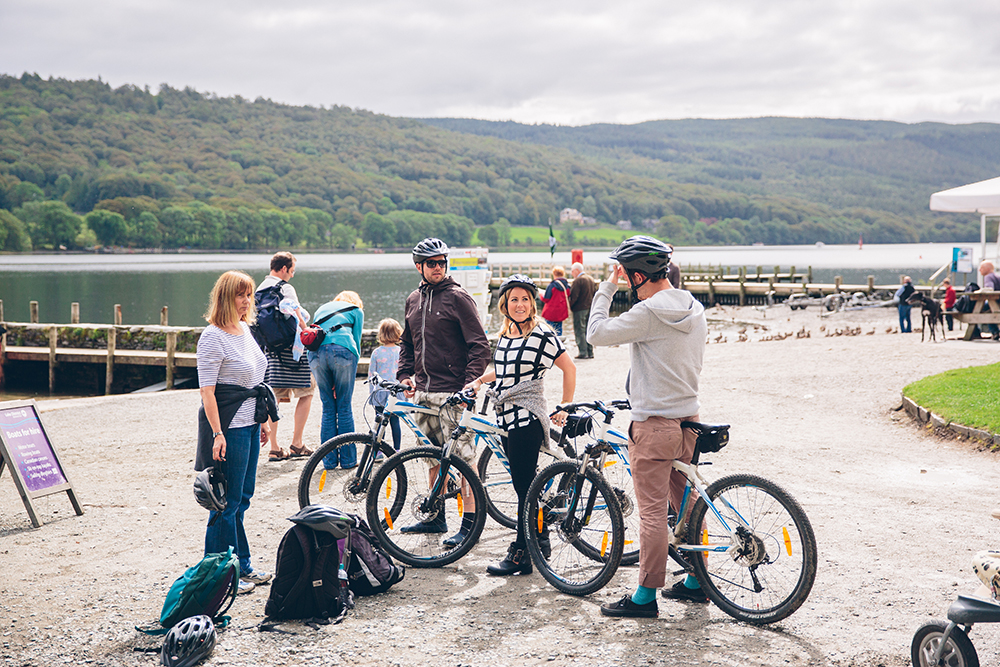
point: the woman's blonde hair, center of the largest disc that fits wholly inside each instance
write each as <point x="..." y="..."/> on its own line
<point x="510" y="328"/>
<point x="222" y="300"/>
<point x="558" y="272"/>
<point x="350" y="297"/>
<point x="389" y="331"/>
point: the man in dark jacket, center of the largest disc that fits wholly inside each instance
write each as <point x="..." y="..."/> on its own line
<point x="443" y="348"/>
<point x="581" y="294"/>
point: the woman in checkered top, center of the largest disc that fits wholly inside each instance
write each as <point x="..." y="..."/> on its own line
<point x="526" y="350"/>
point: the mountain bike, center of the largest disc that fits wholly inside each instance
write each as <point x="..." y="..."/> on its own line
<point x="317" y="485"/>
<point x="501" y="499"/>
<point x="746" y="540"/>
<point x="433" y="490"/>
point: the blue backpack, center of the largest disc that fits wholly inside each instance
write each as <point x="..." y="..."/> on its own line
<point x="274" y="331"/>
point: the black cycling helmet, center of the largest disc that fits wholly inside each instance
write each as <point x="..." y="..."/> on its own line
<point x="645" y="255"/>
<point x="326" y="519"/>
<point x="210" y="489"/>
<point x="188" y="642"/>
<point x="518" y="280"/>
<point x="429" y="247"/>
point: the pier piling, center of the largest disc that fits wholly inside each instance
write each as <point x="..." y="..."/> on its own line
<point x="74" y="312"/>
<point x="33" y="312"/>
<point x="118" y="314"/>
<point x="53" y="339"/>
<point x="109" y="376"/>
<point x="171" y="353"/>
<point x="163" y="316"/>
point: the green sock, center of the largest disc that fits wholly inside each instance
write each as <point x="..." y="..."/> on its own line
<point x="691" y="582"/>
<point x="643" y="595"/>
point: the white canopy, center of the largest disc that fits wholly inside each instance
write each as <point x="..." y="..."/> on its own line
<point x="982" y="198"/>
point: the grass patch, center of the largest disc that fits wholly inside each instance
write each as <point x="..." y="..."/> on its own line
<point x="967" y="396"/>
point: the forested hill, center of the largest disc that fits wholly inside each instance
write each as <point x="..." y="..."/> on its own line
<point x="881" y="165"/>
<point x="82" y="163"/>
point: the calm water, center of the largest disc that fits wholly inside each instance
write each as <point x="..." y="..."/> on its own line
<point x="142" y="284"/>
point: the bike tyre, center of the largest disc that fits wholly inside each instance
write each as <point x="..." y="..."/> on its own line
<point x="718" y="572"/>
<point x="556" y="567"/>
<point x="398" y="544"/>
<point x="361" y="440"/>
<point x="500" y="495"/>
<point x="927" y="639"/>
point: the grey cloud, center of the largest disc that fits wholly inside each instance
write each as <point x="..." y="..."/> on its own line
<point x="564" y="62"/>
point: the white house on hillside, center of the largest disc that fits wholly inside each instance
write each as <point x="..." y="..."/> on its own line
<point x="570" y="215"/>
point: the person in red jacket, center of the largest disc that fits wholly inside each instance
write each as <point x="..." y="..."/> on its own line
<point x="556" y="300"/>
<point x="949" y="302"/>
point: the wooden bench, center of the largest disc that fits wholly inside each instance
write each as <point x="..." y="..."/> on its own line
<point x="977" y="316"/>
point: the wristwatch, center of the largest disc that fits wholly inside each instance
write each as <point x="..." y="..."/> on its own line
<point x="216" y="434"/>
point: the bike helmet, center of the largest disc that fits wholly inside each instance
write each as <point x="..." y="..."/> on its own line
<point x="210" y="489"/>
<point x="326" y="519"/>
<point x="188" y="642"/>
<point x="645" y="255"/>
<point x="518" y="280"/>
<point x="429" y="247"/>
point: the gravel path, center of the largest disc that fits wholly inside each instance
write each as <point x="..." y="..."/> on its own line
<point x="897" y="512"/>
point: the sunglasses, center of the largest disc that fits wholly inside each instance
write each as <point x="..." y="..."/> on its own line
<point x="434" y="263"/>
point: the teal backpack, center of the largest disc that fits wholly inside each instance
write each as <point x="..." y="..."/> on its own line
<point x="208" y="588"/>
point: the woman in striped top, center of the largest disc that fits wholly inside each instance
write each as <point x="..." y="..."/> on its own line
<point x="525" y="351"/>
<point x="228" y="355"/>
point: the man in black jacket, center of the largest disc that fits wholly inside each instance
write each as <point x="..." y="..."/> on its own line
<point x="443" y="348"/>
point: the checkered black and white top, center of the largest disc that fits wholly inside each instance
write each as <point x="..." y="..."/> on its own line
<point x="520" y="359"/>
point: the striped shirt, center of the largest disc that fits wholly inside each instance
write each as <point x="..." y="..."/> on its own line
<point x="225" y="358"/>
<point x="520" y="359"/>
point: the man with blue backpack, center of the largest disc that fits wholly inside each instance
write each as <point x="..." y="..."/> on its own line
<point x="278" y="332"/>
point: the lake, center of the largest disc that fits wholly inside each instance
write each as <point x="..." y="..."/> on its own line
<point x="143" y="283"/>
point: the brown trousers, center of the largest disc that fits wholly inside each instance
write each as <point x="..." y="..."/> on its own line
<point x="653" y="446"/>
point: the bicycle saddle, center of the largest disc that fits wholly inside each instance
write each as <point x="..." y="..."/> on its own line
<point x="710" y="438"/>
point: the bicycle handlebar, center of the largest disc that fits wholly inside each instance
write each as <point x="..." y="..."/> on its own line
<point x="390" y="385"/>
<point x="598" y="406"/>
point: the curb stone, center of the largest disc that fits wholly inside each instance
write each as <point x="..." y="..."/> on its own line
<point x="924" y="416"/>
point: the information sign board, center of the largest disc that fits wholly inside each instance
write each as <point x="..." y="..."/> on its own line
<point x="25" y="448"/>
<point x="961" y="260"/>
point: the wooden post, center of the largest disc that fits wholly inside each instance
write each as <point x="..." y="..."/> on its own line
<point x="118" y="314"/>
<point x="74" y="312"/>
<point x="871" y="284"/>
<point x="809" y="276"/>
<point x="171" y="351"/>
<point x="163" y="316"/>
<point x="1" y="310"/>
<point x="837" y="280"/>
<point x="109" y="376"/>
<point x="711" y="292"/>
<point x="743" y="287"/>
<point x="53" y="339"/>
<point x="776" y="279"/>
<point x="33" y="312"/>
<point x="758" y="273"/>
<point x="791" y="275"/>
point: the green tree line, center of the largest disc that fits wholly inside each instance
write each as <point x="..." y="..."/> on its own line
<point x="82" y="164"/>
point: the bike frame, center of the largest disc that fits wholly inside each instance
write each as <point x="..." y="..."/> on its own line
<point x="695" y="481"/>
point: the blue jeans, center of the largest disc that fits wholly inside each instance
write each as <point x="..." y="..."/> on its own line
<point x="556" y="326"/>
<point x="335" y="369"/>
<point x="240" y="468"/>
<point x="904" y="318"/>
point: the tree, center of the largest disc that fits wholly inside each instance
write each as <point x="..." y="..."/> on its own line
<point x="378" y="231"/>
<point x="343" y="236"/>
<point x="147" y="232"/>
<point x="13" y="234"/>
<point x="488" y="236"/>
<point x="50" y="223"/>
<point x="110" y="228"/>
<point x="503" y="232"/>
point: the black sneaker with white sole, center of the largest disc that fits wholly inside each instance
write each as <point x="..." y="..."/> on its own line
<point x="625" y="608"/>
<point x="681" y="592"/>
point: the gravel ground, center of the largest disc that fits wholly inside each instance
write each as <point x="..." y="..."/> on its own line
<point x="898" y="513"/>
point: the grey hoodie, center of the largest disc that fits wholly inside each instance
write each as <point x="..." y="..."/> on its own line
<point x="666" y="334"/>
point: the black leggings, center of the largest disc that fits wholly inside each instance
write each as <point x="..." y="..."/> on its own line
<point x="522" y="446"/>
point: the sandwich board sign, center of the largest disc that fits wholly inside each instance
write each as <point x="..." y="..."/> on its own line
<point x="31" y="457"/>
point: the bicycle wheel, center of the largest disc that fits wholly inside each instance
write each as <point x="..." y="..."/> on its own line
<point x="585" y="546"/>
<point x="768" y="573"/>
<point x="958" y="651"/>
<point x="501" y="499"/>
<point x="344" y="489"/>
<point x="415" y="505"/>
<point x="619" y="476"/>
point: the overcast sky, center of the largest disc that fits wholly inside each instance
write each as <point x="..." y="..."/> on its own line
<point x="569" y="63"/>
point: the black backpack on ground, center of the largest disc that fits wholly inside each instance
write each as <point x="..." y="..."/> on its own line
<point x="306" y="583"/>
<point x="370" y="570"/>
<point x="274" y="331"/>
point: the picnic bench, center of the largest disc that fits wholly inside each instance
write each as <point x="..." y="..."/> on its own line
<point x="977" y="316"/>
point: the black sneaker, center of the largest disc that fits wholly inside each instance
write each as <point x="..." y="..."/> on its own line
<point x="626" y="608"/>
<point x="436" y="525"/>
<point x="681" y="592"/>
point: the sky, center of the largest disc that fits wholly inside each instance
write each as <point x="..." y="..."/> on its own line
<point x="567" y="63"/>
